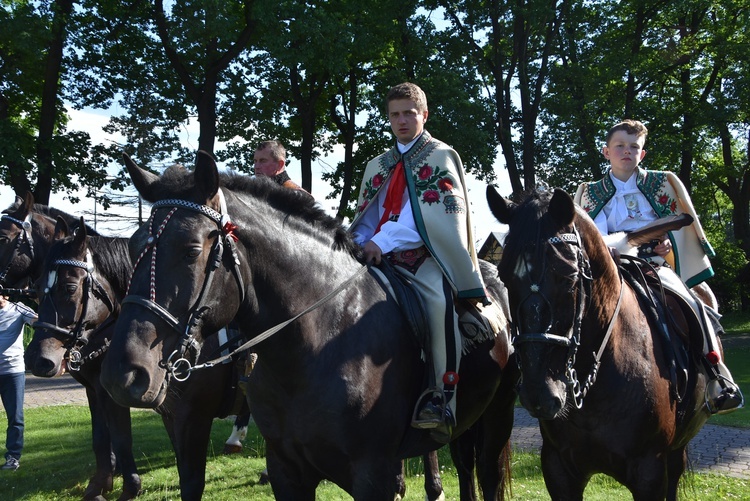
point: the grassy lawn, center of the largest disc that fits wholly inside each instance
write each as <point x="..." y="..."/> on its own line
<point x="736" y="342"/>
<point x="57" y="462"/>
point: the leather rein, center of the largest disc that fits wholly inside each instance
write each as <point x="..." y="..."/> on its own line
<point x="577" y="391"/>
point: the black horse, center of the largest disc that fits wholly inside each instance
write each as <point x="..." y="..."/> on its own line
<point x="594" y="369"/>
<point x="333" y="390"/>
<point x="81" y="286"/>
<point x="84" y="280"/>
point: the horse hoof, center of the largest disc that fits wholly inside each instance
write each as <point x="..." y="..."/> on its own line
<point x="129" y="495"/>
<point x="263" y="478"/>
<point x="232" y="449"/>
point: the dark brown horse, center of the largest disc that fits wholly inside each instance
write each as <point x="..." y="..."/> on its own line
<point x="83" y="281"/>
<point x="334" y="388"/>
<point x="26" y="232"/>
<point x="593" y="370"/>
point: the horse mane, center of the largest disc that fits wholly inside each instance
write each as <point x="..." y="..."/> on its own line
<point x="528" y="223"/>
<point x="599" y="255"/>
<point x="178" y="182"/>
<point x="110" y="255"/>
<point x="113" y="260"/>
<point x="51" y="213"/>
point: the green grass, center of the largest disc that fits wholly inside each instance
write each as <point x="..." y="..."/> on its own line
<point x="736" y="322"/>
<point x="736" y="342"/>
<point x="57" y="462"/>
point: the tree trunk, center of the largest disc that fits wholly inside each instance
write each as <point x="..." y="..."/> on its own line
<point x="49" y="112"/>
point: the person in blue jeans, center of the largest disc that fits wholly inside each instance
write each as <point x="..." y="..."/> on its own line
<point x="12" y="375"/>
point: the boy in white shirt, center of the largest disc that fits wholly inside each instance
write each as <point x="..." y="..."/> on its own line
<point x="628" y="198"/>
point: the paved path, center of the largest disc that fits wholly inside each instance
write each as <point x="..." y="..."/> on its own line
<point x="716" y="449"/>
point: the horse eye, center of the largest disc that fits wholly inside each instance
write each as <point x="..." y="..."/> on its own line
<point x="71" y="288"/>
<point x="194" y="252"/>
<point x="4" y="240"/>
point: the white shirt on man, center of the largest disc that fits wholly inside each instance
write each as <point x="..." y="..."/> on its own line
<point x="393" y="235"/>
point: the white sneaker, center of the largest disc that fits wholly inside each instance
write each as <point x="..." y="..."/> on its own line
<point x="11" y="463"/>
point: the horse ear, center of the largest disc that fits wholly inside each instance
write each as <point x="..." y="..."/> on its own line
<point x="28" y="203"/>
<point x="80" y="235"/>
<point x="206" y="173"/>
<point x="502" y="208"/>
<point x="561" y="208"/>
<point x="81" y="230"/>
<point x="61" y="229"/>
<point x="142" y="179"/>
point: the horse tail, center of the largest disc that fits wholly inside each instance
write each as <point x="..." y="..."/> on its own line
<point x="506" y="488"/>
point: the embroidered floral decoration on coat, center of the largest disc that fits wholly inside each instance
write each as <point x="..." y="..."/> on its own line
<point x="432" y="185"/>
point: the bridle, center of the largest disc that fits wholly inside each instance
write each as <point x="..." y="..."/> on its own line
<point x="24" y="236"/>
<point x="176" y="364"/>
<point x="74" y="338"/>
<point x="572" y="342"/>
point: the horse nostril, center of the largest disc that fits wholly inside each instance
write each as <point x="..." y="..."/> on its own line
<point x="44" y="367"/>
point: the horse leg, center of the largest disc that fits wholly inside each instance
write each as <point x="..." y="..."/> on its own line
<point x="101" y="482"/>
<point x="401" y="482"/>
<point x="562" y="484"/>
<point x="373" y="478"/>
<point x="647" y="477"/>
<point x="190" y="433"/>
<point x="463" y="450"/>
<point x="121" y="434"/>
<point x="288" y="481"/>
<point x="433" y="485"/>
<point x="485" y="447"/>
<point x="493" y="442"/>
<point x="676" y="463"/>
<point x="233" y="444"/>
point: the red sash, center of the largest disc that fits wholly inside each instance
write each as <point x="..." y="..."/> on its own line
<point x="395" y="194"/>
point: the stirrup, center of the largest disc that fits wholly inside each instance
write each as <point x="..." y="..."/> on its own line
<point x="729" y="398"/>
<point x="429" y="393"/>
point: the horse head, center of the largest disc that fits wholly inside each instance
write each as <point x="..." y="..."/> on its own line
<point x="547" y="269"/>
<point x="21" y="234"/>
<point x="178" y="296"/>
<point x="75" y="300"/>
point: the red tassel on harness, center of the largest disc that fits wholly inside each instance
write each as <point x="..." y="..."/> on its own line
<point x="713" y="357"/>
<point x="450" y="378"/>
<point x="229" y="228"/>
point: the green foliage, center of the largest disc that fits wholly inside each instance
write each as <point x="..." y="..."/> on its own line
<point x="530" y="83"/>
<point x="716" y="210"/>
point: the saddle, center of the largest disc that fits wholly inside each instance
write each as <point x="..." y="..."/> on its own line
<point x="473" y="324"/>
<point x="410" y="302"/>
<point x="678" y="327"/>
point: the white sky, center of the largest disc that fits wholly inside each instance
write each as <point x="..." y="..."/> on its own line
<point x="92" y="121"/>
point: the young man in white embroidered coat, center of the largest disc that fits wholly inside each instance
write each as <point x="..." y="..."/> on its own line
<point x="413" y="210"/>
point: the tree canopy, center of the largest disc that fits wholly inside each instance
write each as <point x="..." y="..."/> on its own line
<point x="529" y="86"/>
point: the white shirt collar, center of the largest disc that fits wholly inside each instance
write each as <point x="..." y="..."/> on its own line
<point x="403" y="148"/>
<point x="630" y="184"/>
